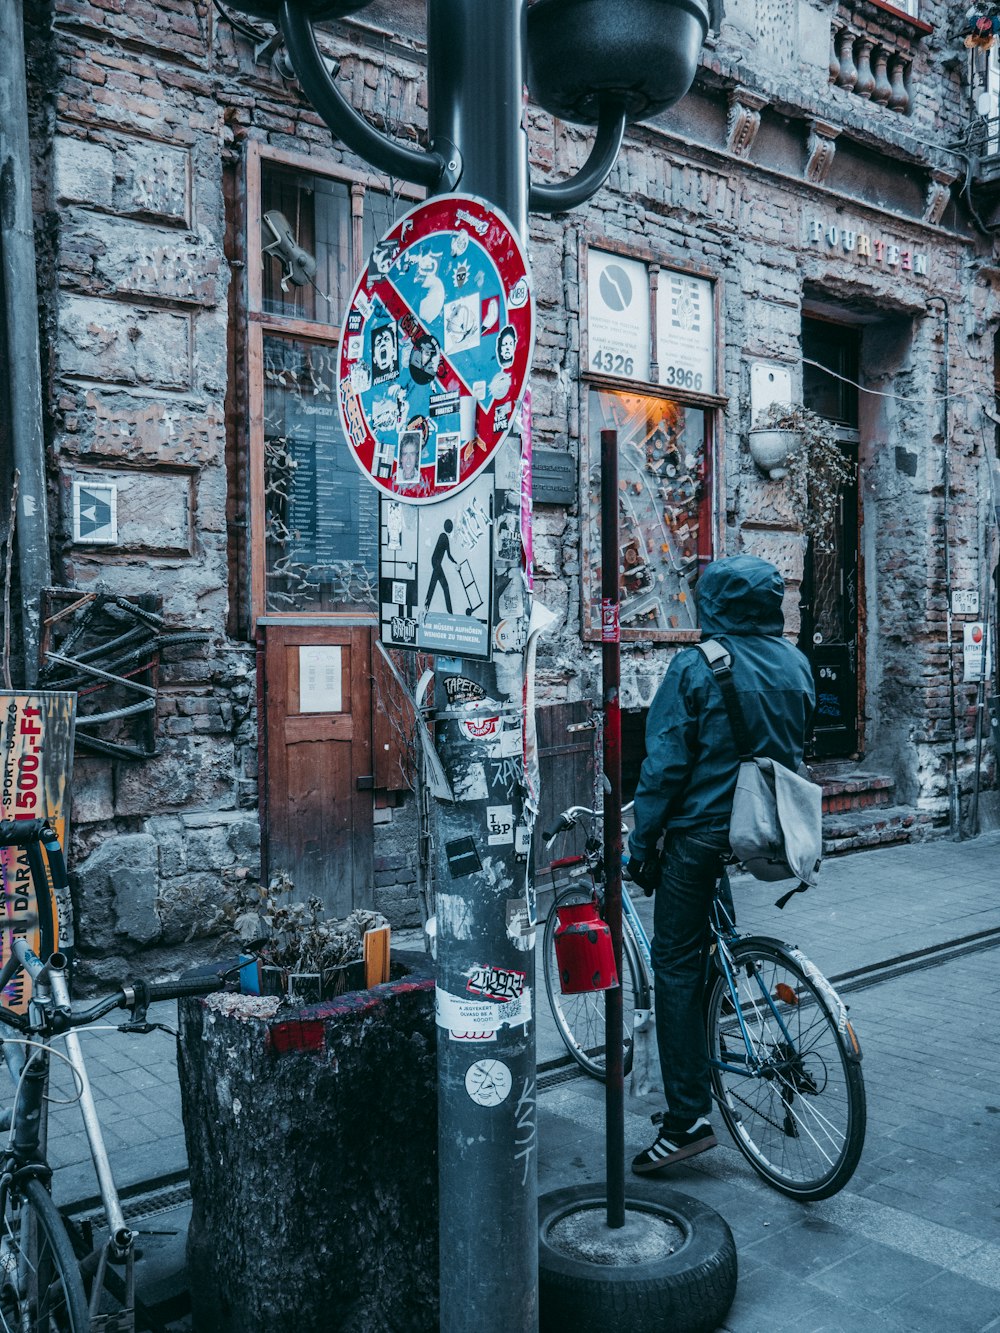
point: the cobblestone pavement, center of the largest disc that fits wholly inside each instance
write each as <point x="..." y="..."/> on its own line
<point x="912" y="1243"/>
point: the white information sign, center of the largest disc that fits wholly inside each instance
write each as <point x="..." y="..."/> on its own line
<point x="617" y="315"/>
<point x="965" y="602"/>
<point x="465" y="1013"/>
<point x="435" y="566"/>
<point x="975" y="644"/>
<point x="685" y="332"/>
<point x="320" y="672"/>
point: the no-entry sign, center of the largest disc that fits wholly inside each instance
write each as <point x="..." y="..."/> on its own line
<point x="435" y="348"/>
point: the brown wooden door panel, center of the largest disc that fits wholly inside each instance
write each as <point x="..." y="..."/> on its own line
<point x="566" y="763"/>
<point x="319" y="820"/>
<point x="303" y="730"/>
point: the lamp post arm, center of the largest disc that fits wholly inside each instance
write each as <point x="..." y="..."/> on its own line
<point x="562" y="196"/>
<point x="394" y="159"/>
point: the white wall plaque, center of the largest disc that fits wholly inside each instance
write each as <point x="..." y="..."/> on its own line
<point x="965" y="602"/>
<point x="320" y="671"/>
<point x="769" y="383"/>
<point x="685" y="332"/>
<point x="95" y="513"/>
<point x="617" y="315"/>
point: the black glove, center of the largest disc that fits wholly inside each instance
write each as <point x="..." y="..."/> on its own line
<point x="644" y="873"/>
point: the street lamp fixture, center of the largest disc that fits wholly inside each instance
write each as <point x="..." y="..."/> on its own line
<point x="642" y="55"/>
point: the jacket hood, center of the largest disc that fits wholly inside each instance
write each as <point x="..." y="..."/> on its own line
<point x="740" y="595"/>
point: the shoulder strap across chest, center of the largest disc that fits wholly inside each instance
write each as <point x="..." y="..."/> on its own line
<point x="720" y="662"/>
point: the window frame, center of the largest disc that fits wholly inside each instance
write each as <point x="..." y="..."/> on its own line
<point x="259" y="324"/>
<point x="712" y="404"/>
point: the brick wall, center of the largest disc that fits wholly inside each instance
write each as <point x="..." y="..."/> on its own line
<point x="148" y="101"/>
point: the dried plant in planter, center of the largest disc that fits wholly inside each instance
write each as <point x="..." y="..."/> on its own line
<point x="815" y="465"/>
<point x="297" y="938"/>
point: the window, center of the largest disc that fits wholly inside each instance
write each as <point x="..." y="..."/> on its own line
<point x="664" y="510"/>
<point x="314" y="517"/>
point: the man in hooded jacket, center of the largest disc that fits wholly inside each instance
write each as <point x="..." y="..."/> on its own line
<point x="685" y="795"/>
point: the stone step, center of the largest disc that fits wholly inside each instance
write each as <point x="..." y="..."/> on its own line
<point x="848" y="789"/>
<point x="879" y="826"/>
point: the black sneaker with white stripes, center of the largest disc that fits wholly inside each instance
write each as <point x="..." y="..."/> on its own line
<point x="673" y="1145"/>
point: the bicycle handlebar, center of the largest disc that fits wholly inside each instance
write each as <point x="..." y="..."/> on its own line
<point x="571" y="817"/>
<point x="21" y="832"/>
<point x="139" y="994"/>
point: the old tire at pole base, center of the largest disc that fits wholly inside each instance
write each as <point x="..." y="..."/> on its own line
<point x="688" y="1291"/>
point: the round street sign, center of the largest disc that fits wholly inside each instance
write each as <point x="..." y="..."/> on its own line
<point x="435" y="348"/>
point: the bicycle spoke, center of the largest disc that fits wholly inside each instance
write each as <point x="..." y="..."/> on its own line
<point x="792" y="1100"/>
<point x="40" y="1288"/>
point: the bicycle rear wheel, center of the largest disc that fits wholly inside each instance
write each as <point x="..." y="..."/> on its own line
<point x="580" y="1018"/>
<point x="40" y="1286"/>
<point x="791" y="1094"/>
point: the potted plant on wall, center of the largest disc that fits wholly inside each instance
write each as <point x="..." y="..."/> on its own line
<point x="292" y="949"/>
<point x="789" y="441"/>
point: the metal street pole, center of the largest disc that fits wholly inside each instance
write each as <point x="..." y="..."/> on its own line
<point x="614" y="1087"/>
<point x="484" y="896"/>
<point x="486" y="1090"/>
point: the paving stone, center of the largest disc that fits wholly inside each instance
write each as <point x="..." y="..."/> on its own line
<point x="876" y="1280"/>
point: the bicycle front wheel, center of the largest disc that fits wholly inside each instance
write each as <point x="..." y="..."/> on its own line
<point x="580" y="1018"/>
<point x="788" y="1083"/>
<point x="40" y="1286"/>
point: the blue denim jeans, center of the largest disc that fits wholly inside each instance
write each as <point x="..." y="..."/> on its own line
<point x="693" y="864"/>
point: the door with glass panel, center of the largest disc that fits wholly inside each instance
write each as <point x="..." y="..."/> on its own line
<point x="829" y="606"/>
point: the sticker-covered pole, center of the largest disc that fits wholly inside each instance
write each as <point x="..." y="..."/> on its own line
<point x="484" y="897"/>
<point x="614" y="1087"/>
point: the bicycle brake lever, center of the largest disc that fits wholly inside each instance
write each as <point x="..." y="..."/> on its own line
<point x="144" y="1028"/>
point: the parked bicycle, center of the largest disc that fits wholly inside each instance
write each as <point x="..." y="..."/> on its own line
<point x="53" y="1279"/>
<point x="785" y="1060"/>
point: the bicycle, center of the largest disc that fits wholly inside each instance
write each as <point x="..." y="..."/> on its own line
<point x="785" y="1060"/>
<point x="52" y="1278"/>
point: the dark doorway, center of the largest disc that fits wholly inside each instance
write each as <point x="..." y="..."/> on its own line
<point x="830" y="583"/>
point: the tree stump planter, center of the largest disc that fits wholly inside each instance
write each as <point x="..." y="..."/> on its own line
<point x="312" y="1143"/>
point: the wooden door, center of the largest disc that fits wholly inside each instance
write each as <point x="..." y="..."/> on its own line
<point x="318" y="781"/>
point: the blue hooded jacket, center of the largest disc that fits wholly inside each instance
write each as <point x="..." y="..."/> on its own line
<point x="688" y="777"/>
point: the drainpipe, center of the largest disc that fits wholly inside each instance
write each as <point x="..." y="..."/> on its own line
<point x="19" y="312"/>
<point x="954" y="794"/>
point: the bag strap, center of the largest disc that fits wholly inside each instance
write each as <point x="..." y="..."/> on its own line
<point x="720" y="663"/>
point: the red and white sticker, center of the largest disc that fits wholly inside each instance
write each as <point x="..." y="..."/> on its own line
<point x="437" y="347"/>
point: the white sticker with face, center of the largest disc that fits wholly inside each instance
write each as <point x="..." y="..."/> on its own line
<point x="488" y="1082"/>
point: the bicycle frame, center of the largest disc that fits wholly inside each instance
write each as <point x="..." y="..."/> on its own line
<point x="723" y="930"/>
<point x="50" y="1015"/>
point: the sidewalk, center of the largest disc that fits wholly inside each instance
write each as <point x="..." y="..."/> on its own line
<point x="912" y="1244"/>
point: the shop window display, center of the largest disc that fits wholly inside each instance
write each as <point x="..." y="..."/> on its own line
<point x="664" y="510"/>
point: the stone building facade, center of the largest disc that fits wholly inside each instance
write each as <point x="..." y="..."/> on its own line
<point x="802" y="227"/>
